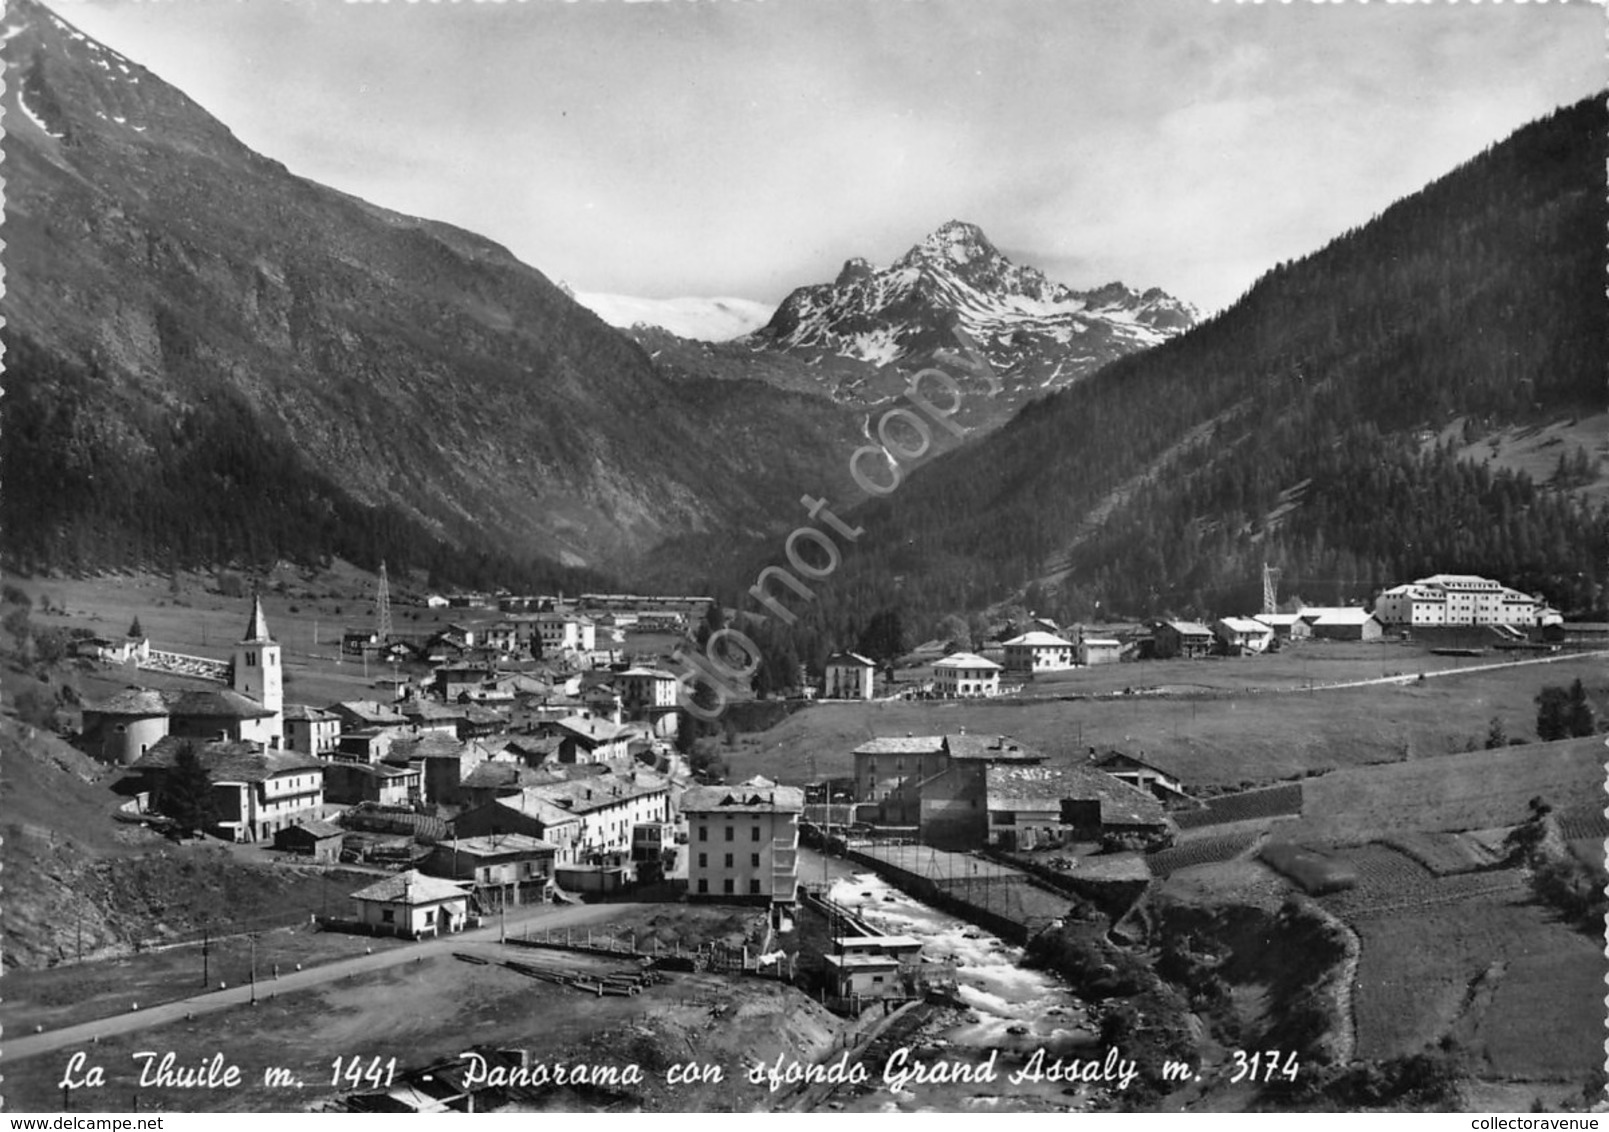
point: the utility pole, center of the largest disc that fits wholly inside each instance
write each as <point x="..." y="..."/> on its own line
<point x="206" y="949"/>
<point x="253" y="937"/>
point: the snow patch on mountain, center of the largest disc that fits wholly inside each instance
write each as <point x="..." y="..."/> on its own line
<point x="703" y="320"/>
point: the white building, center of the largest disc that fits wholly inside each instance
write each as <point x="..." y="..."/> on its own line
<point x="412" y="905"/>
<point x="848" y="676"/>
<point x="743" y="841"/>
<point x="1099" y="650"/>
<point x="1461" y="599"/>
<point x="1038" y="651"/>
<point x="966" y="674"/>
<point x="561" y="631"/>
<point x="1243" y="634"/>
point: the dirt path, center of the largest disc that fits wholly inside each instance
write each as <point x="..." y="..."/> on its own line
<point x="543" y="916"/>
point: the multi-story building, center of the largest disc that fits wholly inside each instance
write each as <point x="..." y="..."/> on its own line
<point x="966" y="674"/>
<point x="1038" y="651"/>
<point x="1461" y="599"/>
<point x="743" y="841"/>
<point x="255" y="792"/>
<point x="848" y="676"/>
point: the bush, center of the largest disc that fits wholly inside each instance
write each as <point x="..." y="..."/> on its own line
<point x="11" y="595"/>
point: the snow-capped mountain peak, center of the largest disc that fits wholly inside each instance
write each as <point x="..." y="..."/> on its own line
<point x="1038" y="334"/>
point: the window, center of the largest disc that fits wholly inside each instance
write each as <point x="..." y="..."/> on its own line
<point x="387" y="916"/>
<point x="728" y="887"/>
<point x="754" y="860"/>
<point x="729" y="860"/>
<point x="703" y="833"/>
<point x="703" y="885"/>
<point x="754" y="833"/>
<point x="730" y="833"/>
<point x="754" y="886"/>
<point x="703" y="860"/>
<point x="430" y="917"/>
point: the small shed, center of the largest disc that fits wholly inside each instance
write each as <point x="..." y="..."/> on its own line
<point x="319" y="840"/>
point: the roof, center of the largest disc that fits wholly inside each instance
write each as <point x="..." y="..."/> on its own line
<point x="496" y="776"/>
<point x="873" y="961"/>
<point x="1104" y="642"/>
<point x="370" y="711"/>
<point x="228" y="761"/>
<point x="656" y="673"/>
<point x="756" y="796"/>
<point x="308" y="714"/>
<point x="902" y="745"/>
<point x="851" y="658"/>
<point x="1188" y="628"/>
<point x="427" y="745"/>
<point x="429" y="710"/>
<point x="1123" y="758"/>
<point x="989" y="747"/>
<point x="1046" y="787"/>
<point x="412" y="888"/>
<point x="593" y="729"/>
<point x="1244" y="625"/>
<point x="1277" y="618"/>
<point x="1040" y="639"/>
<point x="132" y="701"/>
<point x="257" y="627"/>
<point x="216" y="703"/>
<point x="318" y="830"/>
<point x="582" y="795"/>
<point x="533" y="804"/>
<point x="965" y="660"/>
<point x="1340" y="616"/>
<point x="500" y="845"/>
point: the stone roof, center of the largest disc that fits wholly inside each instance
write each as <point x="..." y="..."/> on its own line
<point x="427" y="745"/>
<point x="756" y="796"/>
<point x="371" y="712"/>
<point x="132" y="701"/>
<point x="594" y="730"/>
<point x="1046" y="787"/>
<point x="994" y="748"/>
<point x="215" y="703"/>
<point x="308" y="714"/>
<point x="412" y="888"/>
<point x="500" y="845"/>
<point x="228" y="761"/>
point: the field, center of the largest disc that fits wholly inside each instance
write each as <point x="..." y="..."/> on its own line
<point x="1216" y="741"/>
<point x="439" y="1007"/>
<point x="1471" y="791"/>
<point x="1524" y="994"/>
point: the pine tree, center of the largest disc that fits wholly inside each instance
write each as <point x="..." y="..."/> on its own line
<point x="1578" y="715"/>
<point x="1495" y="736"/>
<point x="187" y="792"/>
<point x="1551" y="714"/>
<point x="134" y="629"/>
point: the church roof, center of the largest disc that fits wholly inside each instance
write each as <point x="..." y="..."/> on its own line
<point x="257" y="627"/>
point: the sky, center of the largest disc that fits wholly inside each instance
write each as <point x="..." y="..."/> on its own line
<point x="745" y="147"/>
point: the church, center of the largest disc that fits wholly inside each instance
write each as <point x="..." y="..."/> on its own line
<point x="250" y="710"/>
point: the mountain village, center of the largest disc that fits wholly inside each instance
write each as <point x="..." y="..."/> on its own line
<point x="442" y="768"/>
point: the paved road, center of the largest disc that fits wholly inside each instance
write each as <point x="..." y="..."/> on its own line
<point x="537" y="917"/>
